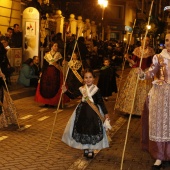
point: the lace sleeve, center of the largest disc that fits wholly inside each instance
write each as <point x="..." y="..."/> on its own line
<point x="153" y="68"/>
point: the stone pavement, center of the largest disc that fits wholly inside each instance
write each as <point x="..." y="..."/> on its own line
<point x="27" y="149"/>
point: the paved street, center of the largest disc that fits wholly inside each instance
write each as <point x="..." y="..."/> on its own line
<point x="27" y="149"/>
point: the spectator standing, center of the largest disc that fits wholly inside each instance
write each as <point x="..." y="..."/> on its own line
<point x="82" y="49"/>
<point x="16" y="37"/>
<point x="70" y="46"/>
<point x="107" y="79"/>
<point x="94" y="61"/>
<point x="4" y="41"/>
<point x="8" y="36"/>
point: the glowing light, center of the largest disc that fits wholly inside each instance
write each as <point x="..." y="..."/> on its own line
<point x="148" y="27"/>
<point x="103" y="3"/>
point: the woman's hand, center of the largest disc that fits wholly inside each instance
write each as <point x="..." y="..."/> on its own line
<point x="107" y="124"/>
<point x="64" y="89"/>
<point x="2" y="75"/>
<point x="126" y="56"/>
<point x="140" y="73"/>
<point x="106" y="116"/>
<point x="63" y="62"/>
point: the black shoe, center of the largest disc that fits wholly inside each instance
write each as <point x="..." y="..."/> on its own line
<point x="86" y="151"/>
<point x="51" y="106"/>
<point x="46" y="105"/>
<point x="156" y="167"/>
<point x="90" y="155"/>
<point x="106" y="99"/>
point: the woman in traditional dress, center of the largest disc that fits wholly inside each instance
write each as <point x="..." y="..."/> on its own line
<point x="74" y="79"/>
<point x="49" y="89"/>
<point x="8" y="114"/>
<point x="85" y="129"/>
<point x="156" y="115"/>
<point x="126" y="101"/>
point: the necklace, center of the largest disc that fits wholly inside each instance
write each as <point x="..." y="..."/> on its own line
<point x="52" y="54"/>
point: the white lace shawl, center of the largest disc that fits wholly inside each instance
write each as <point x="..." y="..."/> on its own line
<point x="88" y="92"/>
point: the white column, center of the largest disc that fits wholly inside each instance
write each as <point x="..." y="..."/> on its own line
<point x="73" y="24"/>
<point x="60" y="22"/>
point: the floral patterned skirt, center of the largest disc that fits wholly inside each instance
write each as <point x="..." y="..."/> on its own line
<point x="9" y="114"/>
<point x="126" y="95"/>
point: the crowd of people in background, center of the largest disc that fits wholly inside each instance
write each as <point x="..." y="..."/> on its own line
<point x="91" y="52"/>
<point x="13" y="36"/>
<point x="12" y="39"/>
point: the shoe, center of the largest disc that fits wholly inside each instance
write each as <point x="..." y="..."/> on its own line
<point x="156" y="167"/>
<point x="86" y="151"/>
<point x="106" y="99"/>
<point x="90" y="155"/>
<point x="51" y="106"/>
<point x="46" y="106"/>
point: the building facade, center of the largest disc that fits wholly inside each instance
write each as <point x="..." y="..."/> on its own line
<point x="10" y="14"/>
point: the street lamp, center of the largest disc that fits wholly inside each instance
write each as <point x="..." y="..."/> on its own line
<point x="103" y="4"/>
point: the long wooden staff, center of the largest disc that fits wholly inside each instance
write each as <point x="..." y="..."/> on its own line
<point x="124" y="61"/>
<point x="64" y="63"/>
<point x="80" y="57"/>
<point x="55" y="118"/>
<point x="15" y="115"/>
<point x="127" y="130"/>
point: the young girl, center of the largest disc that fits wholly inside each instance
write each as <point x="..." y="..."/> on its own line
<point x="85" y="129"/>
<point x="107" y="79"/>
<point x="74" y="79"/>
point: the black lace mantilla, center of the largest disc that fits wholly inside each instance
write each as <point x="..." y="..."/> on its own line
<point x="87" y="130"/>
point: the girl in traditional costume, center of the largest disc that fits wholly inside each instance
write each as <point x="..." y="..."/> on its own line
<point x="74" y="78"/>
<point x="49" y="88"/>
<point x="156" y="115"/>
<point x="126" y="100"/>
<point x="85" y="129"/>
<point x="107" y="79"/>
